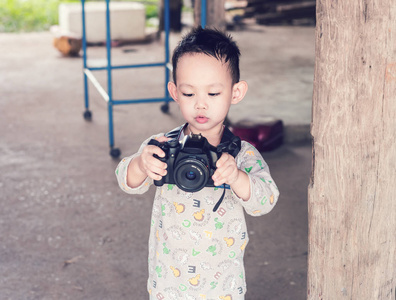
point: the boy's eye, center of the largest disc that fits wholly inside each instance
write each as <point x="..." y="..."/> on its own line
<point x="214" y="94"/>
<point x="188" y="95"/>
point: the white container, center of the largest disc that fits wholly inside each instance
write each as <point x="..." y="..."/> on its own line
<point x="127" y="20"/>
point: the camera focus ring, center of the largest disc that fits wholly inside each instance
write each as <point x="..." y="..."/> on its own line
<point x="191" y="174"/>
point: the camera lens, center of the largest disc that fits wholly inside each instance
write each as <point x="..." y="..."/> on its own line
<point x="191" y="175"/>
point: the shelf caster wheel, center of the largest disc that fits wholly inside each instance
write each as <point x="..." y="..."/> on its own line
<point x="115" y="152"/>
<point x="87" y="115"/>
<point x="165" y="108"/>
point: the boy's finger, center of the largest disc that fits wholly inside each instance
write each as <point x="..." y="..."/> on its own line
<point x="157" y="150"/>
<point x="162" y="139"/>
<point x="154" y="176"/>
<point x="219" y="182"/>
<point x="221" y="160"/>
<point x="217" y="177"/>
<point x="156" y="163"/>
<point x="159" y="171"/>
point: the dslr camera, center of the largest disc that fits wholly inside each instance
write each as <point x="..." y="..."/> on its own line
<point x="191" y="162"/>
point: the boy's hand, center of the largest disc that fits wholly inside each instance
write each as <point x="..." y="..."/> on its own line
<point x="151" y="166"/>
<point x="227" y="170"/>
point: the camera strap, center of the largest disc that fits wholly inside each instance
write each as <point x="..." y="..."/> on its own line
<point x="229" y="143"/>
<point x="221" y="199"/>
<point x="176" y="133"/>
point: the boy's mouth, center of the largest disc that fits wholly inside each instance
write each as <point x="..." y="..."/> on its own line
<point x="201" y="119"/>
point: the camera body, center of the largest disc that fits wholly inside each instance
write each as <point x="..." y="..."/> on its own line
<point x="191" y="163"/>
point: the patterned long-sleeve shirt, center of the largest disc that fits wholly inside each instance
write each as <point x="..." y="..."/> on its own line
<point x="195" y="253"/>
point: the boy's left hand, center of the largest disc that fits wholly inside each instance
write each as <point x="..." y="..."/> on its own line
<point x="227" y="171"/>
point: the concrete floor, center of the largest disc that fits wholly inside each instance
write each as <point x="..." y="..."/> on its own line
<point x="68" y="232"/>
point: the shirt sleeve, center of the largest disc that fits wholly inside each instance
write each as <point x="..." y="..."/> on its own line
<point x="122" y="170"/>
<point x="263" y="191"/>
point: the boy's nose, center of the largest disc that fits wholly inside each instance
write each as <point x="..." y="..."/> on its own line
<point x="201" y="103"/>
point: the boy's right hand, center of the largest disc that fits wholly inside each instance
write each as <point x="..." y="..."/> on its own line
<point x="151" y="166"/>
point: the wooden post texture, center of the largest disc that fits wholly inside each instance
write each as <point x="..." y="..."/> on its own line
<point x="215" y="14"/>
<point x="352" y="193"/>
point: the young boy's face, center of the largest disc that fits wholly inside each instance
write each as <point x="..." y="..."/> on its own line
<point x="205" y="92"/>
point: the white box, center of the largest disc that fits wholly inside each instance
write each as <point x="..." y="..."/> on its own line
<point x="127" y="20"/>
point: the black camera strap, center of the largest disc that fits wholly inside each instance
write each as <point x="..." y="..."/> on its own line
<point x="221" y="199"/>
<point x="229" y="143"/>
<point x="175" y="133"/>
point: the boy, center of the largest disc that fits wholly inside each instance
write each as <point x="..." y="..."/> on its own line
<point x="198" y="239"/>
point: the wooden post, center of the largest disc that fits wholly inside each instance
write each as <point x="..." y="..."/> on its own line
<point x="215" y="11"/>
<point x="352" y="193"/>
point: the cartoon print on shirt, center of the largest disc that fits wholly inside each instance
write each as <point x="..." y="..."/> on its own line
<point x="235" y="226"/>
<point x="196" y="283"/>
<point x="165" y="250"/>
<point x="264" y="200"/>
<point x="244" y="246"/>
<point x="205" y="266"/>
<point x="213" y="284"/>
<point x="225" y="265"/>
<point x="176" y="232"/>
<point x="195" y="253"/>
<point x="176" y="271"/>
<point x="195" y="236"/>
<point x="185" y="195"/>
<point x="161" y="270"/>
<point x="158" y="269"/>
<point x="212" y="249"/>
<point x="218" y="225"/>
<point x="156" y="212"/>
<point x="230" y="203"/>
<point x="215" y="247"/>
<point x="209" y="200"/>
<point x="195" y="280"/>
<point x="260" y="163"/>
<point x="181" y="256"/>
<point x="201" y="218"/>
<point x="180" y="207"/>
<point x="172" y="293"/>
<point x="250" y="153"/>
<point x="248" y="169"/>
<point x="229" y="241"/>
<point x="230" y="283"/>
<point x="199" y="215"/>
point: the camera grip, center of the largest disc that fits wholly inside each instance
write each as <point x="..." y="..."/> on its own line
<point x="154" y="142"/>
<point x="160" y="145"/>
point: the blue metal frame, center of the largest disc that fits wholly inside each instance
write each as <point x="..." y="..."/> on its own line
<point x="108" y="96"/>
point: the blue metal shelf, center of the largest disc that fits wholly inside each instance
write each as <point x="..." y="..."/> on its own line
<point x="108" y="95"/>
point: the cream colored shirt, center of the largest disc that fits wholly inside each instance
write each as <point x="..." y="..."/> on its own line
<point x="195" y="253"/>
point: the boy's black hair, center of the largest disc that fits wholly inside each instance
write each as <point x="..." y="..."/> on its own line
<point x="211" y="42"/>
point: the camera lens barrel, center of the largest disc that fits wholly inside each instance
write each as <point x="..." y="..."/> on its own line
<point x="191" y="174"/>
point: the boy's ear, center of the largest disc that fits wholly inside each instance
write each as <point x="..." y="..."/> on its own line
<point x="239" y="91"/>
<point x="172" y="90"/>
